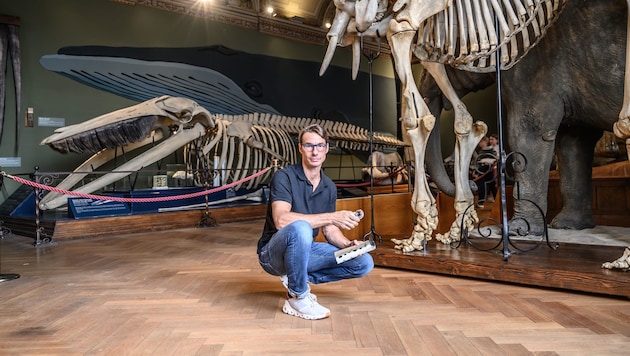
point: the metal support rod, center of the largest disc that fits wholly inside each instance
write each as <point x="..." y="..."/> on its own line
<point x="371" y="56"/>
<point x="502" y="172"/>
<point x="502" y="159"/>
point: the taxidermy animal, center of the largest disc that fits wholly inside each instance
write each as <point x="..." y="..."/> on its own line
<point x="559" y="98"/>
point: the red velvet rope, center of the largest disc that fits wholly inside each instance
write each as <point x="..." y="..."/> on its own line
<point x="171" y="197"/>
<point x="136" y="200"/>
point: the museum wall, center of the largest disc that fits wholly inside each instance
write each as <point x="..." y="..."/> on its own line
<point x="47" y="26"/>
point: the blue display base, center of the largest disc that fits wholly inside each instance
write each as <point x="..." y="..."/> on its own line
<point x="79" y="208"/>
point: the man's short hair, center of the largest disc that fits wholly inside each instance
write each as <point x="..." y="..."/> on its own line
<point x="316" y="129"/>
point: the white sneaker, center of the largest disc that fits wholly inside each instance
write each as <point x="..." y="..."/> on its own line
<point x="305" y="308"/>
<point x="285" y="282"/>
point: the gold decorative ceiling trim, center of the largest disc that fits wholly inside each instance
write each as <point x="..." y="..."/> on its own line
<point x="246" y="14"/>
<point x="243" y="16"/>
<point x="292" y="31"/>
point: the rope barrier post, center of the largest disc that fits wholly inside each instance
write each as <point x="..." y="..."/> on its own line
<point x="208" y="176"/>
<point x="4" y="277"/>
<point x="41" y="238"/>
<point x="207" y="220"/>
<point x="38" y="239"/>
<point x="391" y="169"/>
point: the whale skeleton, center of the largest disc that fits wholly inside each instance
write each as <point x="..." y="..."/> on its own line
<point x="231" y="147"/>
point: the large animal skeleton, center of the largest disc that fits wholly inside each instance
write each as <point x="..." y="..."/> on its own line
<point x="233" y="145"/>
<point x="460" y="33"/>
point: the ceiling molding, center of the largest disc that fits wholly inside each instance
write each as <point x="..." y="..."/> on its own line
<point x="247" y="14"/>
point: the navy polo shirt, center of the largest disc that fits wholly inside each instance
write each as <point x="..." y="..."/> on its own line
<point x="291" y="185"/>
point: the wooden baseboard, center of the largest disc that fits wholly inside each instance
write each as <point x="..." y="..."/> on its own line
<point x="67" y="229"/>
<point x="392" y="216"/>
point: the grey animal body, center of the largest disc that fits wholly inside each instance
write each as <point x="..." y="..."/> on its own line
<point x="559" y="98"/>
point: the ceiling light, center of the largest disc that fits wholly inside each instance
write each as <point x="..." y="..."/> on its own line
<point x="269" y="9"/>
<point x="328" y="25"/>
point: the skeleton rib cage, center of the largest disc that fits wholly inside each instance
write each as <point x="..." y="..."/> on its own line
<point x="464" y="35"/>
<point x="243" y="144"/>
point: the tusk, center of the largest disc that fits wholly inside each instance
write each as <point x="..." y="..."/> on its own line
<point x="337" y="29"/>
<point x="356" y="57"/>
<point x="330" y="52"/>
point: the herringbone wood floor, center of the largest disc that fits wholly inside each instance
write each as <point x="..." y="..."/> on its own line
<point x="201" y="292"/>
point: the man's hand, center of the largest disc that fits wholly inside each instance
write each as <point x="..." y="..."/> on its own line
<point x="354" y="243"/>
<point x="345" y="219"/>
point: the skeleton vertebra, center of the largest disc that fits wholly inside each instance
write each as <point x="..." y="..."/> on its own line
<point x="211" y="142"/>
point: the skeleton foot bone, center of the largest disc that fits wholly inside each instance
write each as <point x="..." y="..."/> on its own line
<point x="622" y="262"/>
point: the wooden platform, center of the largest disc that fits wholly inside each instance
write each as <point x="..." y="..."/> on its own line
<point x="573" y="267"/>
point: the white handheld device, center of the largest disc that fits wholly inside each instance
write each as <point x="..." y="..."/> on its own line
<point x="351" y="252"/>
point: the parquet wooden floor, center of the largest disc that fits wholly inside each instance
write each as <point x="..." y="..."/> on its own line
<point x="202" y="292"/>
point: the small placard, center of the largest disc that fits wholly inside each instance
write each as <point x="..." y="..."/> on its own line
<point x="15" y="162"/>
<point x="90" y="208"/>
<point x="160" y="182"/>
<point x="51" y="121"/>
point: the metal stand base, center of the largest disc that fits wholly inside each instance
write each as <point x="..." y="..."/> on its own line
<point x="4" y="277"/>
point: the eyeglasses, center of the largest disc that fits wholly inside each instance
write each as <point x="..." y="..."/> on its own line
<point x="309" y="147"/>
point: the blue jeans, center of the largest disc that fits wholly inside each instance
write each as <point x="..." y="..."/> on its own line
<point x="293" y="252"/>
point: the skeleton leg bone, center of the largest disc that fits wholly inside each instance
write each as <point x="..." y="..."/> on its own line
<point x="468" y="136"/>
<point x="422" y="201"/>
<point x="466" y="143"/>
<point x="417" y="122"/>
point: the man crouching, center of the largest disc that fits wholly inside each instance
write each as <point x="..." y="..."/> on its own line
<point x="303" y="199"/>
